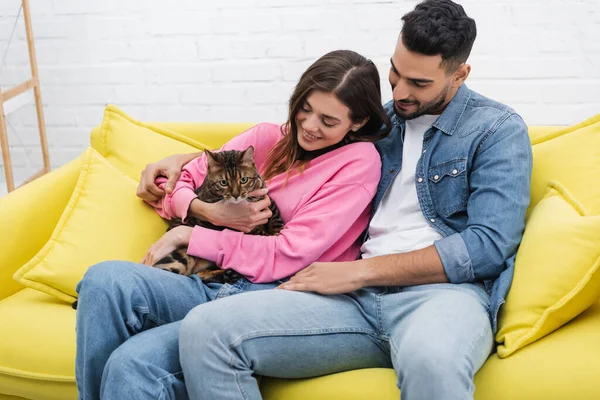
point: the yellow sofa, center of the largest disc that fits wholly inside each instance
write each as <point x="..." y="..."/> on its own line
<point x="37" y="331"/>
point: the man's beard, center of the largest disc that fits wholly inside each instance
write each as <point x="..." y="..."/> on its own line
<point x="432" y="107"/>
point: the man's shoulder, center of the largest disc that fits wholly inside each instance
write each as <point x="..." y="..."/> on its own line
<point x="487" y="114"/>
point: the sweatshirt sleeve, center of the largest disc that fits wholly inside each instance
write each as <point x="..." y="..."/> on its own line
<point x="177" y="203"/>
<point x="312" y="231"/>
<point x="331" y="213"/>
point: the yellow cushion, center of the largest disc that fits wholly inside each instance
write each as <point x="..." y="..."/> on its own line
<point x="212" y="134"/>
<point x="572" y="157"/>
<point x="37" y="346"/>
<point x="104" y="220"/>
<point x="130" y="145"/>
<point x="556" y="271"/>
<point x="28" y="231"/>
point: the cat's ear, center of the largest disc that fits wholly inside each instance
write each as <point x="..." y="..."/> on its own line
<point x="248" y="155"/>
<point x="211" y="159"/>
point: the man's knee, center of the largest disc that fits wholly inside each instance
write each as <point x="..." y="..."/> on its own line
<point x="204" y="324"/>
<point x="450" y="334"/>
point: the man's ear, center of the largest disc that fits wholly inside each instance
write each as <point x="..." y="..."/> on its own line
<point x="460" y="75"/>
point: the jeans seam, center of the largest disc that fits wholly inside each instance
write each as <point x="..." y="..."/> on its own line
<point x="145" y="310"/>
<point x="469" y="348"/>
<point x="301" y="332"/>
<point x="379" y="315"/>
<point x="230" y="363"/>
<point x="163" y="389"/>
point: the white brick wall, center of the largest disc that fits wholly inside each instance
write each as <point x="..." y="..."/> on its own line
<point x="237" y="60"/>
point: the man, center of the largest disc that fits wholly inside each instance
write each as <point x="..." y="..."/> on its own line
<point x="437" y="261"/>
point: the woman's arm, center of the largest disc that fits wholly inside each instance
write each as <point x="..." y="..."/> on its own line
<point x="241" y="216"/>
<point x="178" y="203"/>
<point x="336" y="216"/>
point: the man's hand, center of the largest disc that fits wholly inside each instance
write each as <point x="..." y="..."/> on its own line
<point x="178" y="236"/>
<point x="242" y="216"/>
<point x="170" y="168"/>
<point x="329" y="278"/>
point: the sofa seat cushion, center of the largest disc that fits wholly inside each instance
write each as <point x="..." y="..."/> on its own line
<point x="562" y="365"/>
<point x="37" y="346"/>
<point x="372" y="383"/>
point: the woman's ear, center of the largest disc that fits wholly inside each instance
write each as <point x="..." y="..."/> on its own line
<point x="356" y="127"/>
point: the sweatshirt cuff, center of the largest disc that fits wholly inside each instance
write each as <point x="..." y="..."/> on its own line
<point x="455" y="258"/>
<point x="180" y="202"/>
<point x="204" y="243"/>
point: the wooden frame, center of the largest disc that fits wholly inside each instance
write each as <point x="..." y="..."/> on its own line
<point x="21" y="88"/>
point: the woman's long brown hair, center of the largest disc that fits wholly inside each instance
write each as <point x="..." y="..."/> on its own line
<point x="354" y="80"/>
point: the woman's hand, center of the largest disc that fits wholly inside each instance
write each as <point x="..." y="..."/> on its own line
<point x="169" y="167"/>
<point x="178" y="236"/>
<point x="242" y="216"/>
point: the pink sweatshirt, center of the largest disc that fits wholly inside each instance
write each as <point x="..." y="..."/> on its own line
<point x="325" y="210"/>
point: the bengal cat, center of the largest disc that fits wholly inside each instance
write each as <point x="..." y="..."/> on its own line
<point x="231" y="175"/>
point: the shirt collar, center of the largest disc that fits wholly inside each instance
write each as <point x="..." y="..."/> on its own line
<point x="448" y="120"/>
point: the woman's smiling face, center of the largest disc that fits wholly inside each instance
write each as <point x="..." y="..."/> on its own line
<point x="322" y="121"/>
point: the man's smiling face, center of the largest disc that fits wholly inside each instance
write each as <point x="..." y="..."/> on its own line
<point x="420" y="84"/>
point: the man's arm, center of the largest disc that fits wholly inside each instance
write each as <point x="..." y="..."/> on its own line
<point x="499" y="183"/>
<point x="169" y="167"/>
<point x="417" y="267"/>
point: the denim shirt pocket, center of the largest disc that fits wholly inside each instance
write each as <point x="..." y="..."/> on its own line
<point x="448" y="186"/>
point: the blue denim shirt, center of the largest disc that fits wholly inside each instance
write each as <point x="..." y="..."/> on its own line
<point x="473" y="180"/>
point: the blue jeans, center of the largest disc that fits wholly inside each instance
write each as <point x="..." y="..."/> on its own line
<point x="128" y="319"/>
<point x="435" y="337"/>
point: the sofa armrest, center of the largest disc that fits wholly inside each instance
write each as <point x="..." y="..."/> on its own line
<point x="28" y="217"/>
<point x="213" y="135"/>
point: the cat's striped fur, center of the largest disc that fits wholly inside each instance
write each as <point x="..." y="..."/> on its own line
<point x="231" y="175"/>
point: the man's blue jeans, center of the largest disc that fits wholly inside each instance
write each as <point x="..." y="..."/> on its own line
<point x="436" y="337"/>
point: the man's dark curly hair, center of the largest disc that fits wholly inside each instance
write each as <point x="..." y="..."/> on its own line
<point x="440" y="27"/>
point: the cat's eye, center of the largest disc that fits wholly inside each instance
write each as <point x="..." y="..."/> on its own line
<point x="244" y="180"/>
<point x="223" y="183"/>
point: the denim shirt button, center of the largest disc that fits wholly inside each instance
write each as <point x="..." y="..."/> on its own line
<point x="432" y="219"/>
<point x="391" y="170"/>
<point x="454" y="171"/>
<point x="436" y="177"/>
<point x="420" y="180"/>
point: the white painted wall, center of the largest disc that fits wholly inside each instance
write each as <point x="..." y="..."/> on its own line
<point x="237" y="60"/>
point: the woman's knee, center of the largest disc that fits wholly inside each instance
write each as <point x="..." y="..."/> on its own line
<point x="106" y="272"/>
<point x="105" y="279"/>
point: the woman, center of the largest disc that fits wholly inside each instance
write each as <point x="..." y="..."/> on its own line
<point x="321" y="170"/>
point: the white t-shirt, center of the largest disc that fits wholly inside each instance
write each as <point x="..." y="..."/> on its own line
<point x="398" y="225"/>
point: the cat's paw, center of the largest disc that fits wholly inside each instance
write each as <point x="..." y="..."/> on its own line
<point x="231" y="276"/>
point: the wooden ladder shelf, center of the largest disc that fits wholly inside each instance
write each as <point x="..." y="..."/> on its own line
<point x="16" y="90"/>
